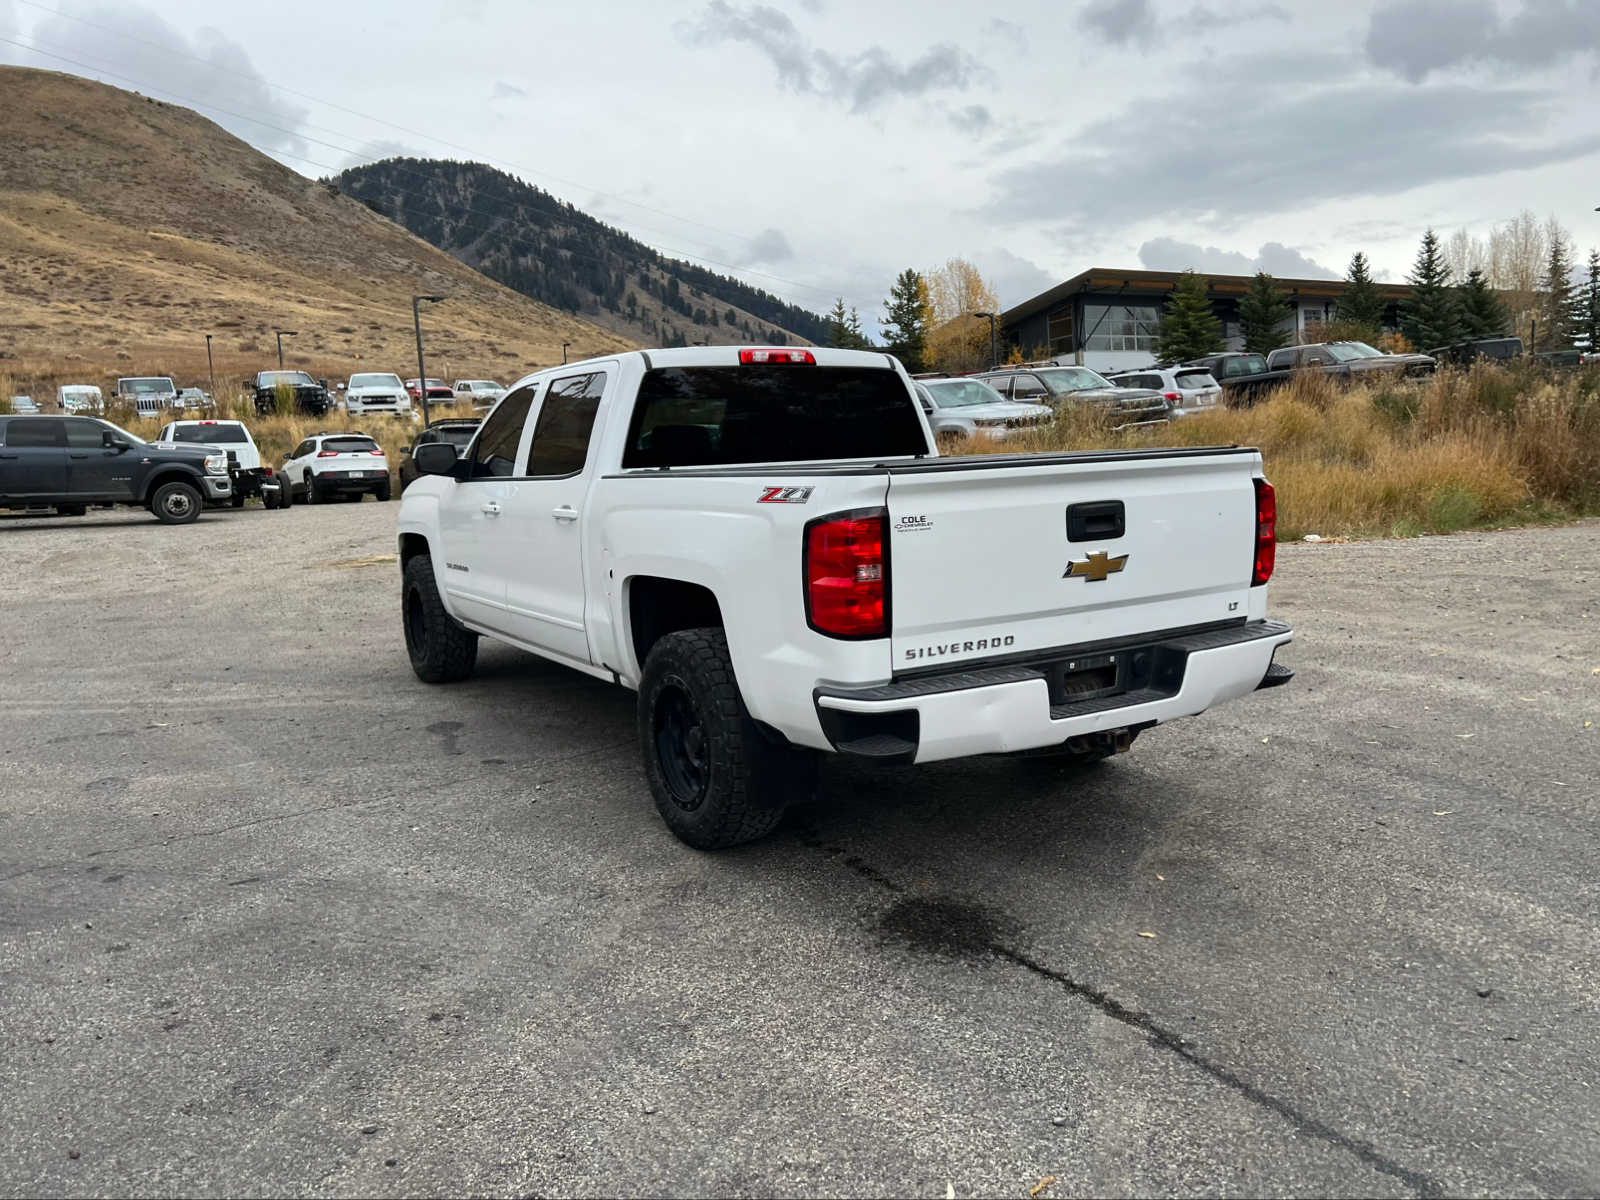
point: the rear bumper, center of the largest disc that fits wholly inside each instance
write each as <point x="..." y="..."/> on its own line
<point x="326" y="483"/>
<point x="998" y="710"/>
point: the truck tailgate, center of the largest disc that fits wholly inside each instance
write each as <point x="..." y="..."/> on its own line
<point x="982" y="551"/>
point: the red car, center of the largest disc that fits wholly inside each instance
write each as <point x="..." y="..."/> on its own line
<point x="438" y="389"/>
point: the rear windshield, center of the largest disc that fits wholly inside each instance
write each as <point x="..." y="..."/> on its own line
<point x="699" y="416"/>
<point x="1245" y="364"/>
<point x="349" y="445"/>
<point x="456" y="435"/>
<point x="1194" y="381"/>
<point x="210" y="435"/>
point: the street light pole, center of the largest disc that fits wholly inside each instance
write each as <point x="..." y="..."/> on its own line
<point x="422" y="371"/>
<point x="211" y="369"/>
<point x="282" y="333"/>
<point x="990" y="315"/>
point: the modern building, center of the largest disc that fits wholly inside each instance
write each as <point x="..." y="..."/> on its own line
<point x="1110" y="319"/>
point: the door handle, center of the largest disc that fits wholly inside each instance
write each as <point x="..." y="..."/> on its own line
<point x="10" y="456"/>
<point x="492" y="508"/>
<point x="84" y="455"/>
<point x="565" y="513"/>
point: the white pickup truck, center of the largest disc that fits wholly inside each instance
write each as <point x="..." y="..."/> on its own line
<point x="767" y="547"/>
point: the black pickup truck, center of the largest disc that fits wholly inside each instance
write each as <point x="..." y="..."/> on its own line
<point x="310" y="395"/>
<point x="1245" y="377"/>
<point x="69" y="463"/>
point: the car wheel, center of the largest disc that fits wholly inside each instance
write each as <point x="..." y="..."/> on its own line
<point x="382" y="492"/>
<point x="285" y="492"/>
<point x="176" y="503"/>
<point x="442" y="650"/>
<point x="237" y="500"/>
<point x="312" y="495"/>
<point x="269" y="497"/>
<point x="718" y="779"/>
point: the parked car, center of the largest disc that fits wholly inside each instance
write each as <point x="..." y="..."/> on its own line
<point x="329" y="465"/>
<point x="766" y="546"/>
<point x="1464" y="354"/>
<point x="245" y="468"/>
<point x="68" y="463"/>
<point x="1186" y="389"/>
<point x="24" y="404"/>
<point x="80" y="398"/>
<point x="457" y="431"/>
<point x="1057" y="386"/>
<point x="150" y="395"/>
<point x="958" y="409"/>
<point x="194" y="400"/>
<point x="439" y="392"/>
<point x="1569" y="357"/>
<point x="1243" y="375"/>
<point x="376" y="392"/>
<point x="310" y="395"/>
<point x="1348" y="360"/>
<point x="477" y="391"/>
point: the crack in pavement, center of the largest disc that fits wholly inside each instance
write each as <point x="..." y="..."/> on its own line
<point x="1162" y="1038"/>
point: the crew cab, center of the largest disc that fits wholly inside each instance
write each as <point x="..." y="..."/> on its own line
<point x="1243" y="375"/>
<point x="67" y="463"/>
<point x="288" y="391"/>
<point x="1348" y="360"/>
<point x="478" y="392"/>
<point x="767" y="547"/>
<point x="376" y="392"/>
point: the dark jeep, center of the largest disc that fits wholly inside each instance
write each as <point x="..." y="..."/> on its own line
<point x="310" y="395"/>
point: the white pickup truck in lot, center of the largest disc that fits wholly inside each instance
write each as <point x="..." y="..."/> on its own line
<point x="767" y="547"/>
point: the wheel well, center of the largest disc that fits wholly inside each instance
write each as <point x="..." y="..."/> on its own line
<point x="165" y="477"/>
<point x="411" y="545"/>
<point x="657" y="607"/>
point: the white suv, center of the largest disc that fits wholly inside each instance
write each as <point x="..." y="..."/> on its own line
<point x="376" y="392"/>
<point x="1187" y="389"/>
<point x="336" y="464"/>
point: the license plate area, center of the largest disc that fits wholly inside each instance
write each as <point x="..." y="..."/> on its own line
<point x="1088" y="677"/>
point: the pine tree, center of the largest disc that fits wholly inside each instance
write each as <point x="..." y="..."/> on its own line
<point x="1557" y="323"/>
<point x="905" y="320"/>
<point x="1189" y="327"/>
<point x="838" y="324"/>
<point x="1431" y="316"/>
<point x="1261" y="313"/>
<point x="858" y="339"/>
<point x="1482" y="313"/>
<point x="1591" y="303"/>
<point x="1362" y="303"/>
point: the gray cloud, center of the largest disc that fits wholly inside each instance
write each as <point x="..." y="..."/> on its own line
<point x="973" y="120"/>
<point x="864" y="80"/>
<point x="1414" y="38"/>
<point x="1013" y="278"/>
<point x="1120" y="21"/>
<point x="138" y="45"/>
<point x="1008" y="31"/>
<point x="1320" y="144"/>
<point x="506" y="91"/>
<point x="767" y="247"/>
<point x="1169" y="254"/>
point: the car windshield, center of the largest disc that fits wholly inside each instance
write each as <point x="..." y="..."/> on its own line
<point x="961" y="393"/>
<point x="1194" y="381"/>
<point x="1062" y="380"/>
<point x="292" y="378"/>
<point x="1343" y="351"/>
<point x="210" y="435"/>
<point x="349" y="445"/>
<point x="1355" y="350"/>
<point x="140" y="386"/>
<point x="373" y="381"/>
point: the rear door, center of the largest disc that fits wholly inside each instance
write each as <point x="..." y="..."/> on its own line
<point x="33" y="458"/>
<point x="1003" y="557"/>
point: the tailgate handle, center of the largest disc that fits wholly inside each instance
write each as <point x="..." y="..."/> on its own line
<point x="1096" y="521"/>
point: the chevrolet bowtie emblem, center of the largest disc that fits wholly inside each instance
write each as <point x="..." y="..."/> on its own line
<point x="1097" y="566"/>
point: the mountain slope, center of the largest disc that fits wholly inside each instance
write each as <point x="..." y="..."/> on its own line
<point x="130" y="228"/>
<point x="549" y="250"/>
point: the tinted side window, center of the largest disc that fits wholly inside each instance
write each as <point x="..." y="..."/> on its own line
<point x="1026" y="387"/>
<point x="494" y="454"/>
<point x="1001" y="384"/>
<point x="35" y="433"/>
<point x="85" y="435"/>
<point x="566" y="418"/>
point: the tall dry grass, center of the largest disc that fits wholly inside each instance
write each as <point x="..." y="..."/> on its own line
<point x="1489" y="446"/>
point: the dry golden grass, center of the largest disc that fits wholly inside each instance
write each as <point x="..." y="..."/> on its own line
<point x="129" y="229"/>
<point x="1489" y="446"/>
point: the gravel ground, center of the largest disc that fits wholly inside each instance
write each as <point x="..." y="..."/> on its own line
<point x="276" y="918"/>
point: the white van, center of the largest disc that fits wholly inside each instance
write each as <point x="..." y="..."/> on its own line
<point x="80" y="397"/>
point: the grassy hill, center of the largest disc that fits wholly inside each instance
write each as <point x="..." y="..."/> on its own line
<point x="130" y="228"/>
<point x="551" y="251"/>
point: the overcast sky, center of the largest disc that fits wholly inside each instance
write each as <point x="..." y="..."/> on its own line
<point x="819" y="146"/>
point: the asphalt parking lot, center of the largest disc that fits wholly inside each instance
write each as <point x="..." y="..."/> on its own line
<point x="276" y="918"/>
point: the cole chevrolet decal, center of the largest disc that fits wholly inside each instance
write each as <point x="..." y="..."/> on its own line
<point x="1096" y="567"/>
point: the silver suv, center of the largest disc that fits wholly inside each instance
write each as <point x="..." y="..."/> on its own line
<point x="1187" y="389"/>
<point x="1059" y="386"/>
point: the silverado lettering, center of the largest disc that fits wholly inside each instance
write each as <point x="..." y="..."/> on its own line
<point x="995" y="643"/>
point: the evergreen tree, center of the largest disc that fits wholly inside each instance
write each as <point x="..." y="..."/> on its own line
<point x="905" y="320"/>
<point x="1431" y="316"/>
<point x="1482" y="313"/>
<point x="838" y="323"/>
<point x="858" y="339"/>
<point x="1261" y="313"/>
<point x="1362" y="303"/>
<point x="1557" y="318"/>
<point x="1591" y="303"/>
<point x="1189" y="327"/>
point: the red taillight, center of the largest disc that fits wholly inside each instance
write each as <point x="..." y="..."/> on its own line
<point x="847" y="575"/>
<point x="1266" y="533"/>
<point x="379" y="453"/>
<point x="1175" y="398"/>
<point x="803" y="358"/>
<point x="327" y="454"/>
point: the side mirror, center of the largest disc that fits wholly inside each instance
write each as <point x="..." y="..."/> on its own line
<point x="112" y="442"/>
<point x="435" y="458"/>
<point x="323" y="384"/>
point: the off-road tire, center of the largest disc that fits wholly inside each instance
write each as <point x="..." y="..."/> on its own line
<point x="176" y="503"/>
<point x="382" y="491"/>
<point x="441" y="649"/>
<point x="285" y="492"/>
<point x="718" y="779"/>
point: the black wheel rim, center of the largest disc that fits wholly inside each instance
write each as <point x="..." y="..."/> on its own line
<point x="681" y="746"/>
<point x="416" y="626"/>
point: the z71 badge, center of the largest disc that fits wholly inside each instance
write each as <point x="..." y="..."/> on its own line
<point x="784" y="495"/>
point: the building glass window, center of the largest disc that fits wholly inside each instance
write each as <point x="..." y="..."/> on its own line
<point x="1058" y="331"/>
<point x="1122" y="326"/>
